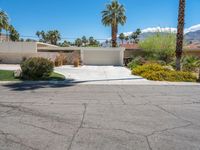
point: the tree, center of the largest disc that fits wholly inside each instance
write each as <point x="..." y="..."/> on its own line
<point x="4" y="22"/>
<point x="84" y="40"/>
<point x="113" y="15"/>
<point x="159" y="47"/>
<point x="51" y="37"/>
<point x="135" y="36"/>
<point x="78" y="42"/>
<point x="122" y="37"/>
<point x="42" y="36"/>
<point x="180" y="34"/>
<point x="126" y="39"/>
<point x="13" y="34"/>
<point x="66" y="44"/>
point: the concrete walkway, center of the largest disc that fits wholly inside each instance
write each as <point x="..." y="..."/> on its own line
<point x="10" y="67"/>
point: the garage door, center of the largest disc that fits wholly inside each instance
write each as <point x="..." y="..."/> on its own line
<point x="101" y="58"/>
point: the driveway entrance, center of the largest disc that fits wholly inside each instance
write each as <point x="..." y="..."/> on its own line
<point x="98" y="74"/>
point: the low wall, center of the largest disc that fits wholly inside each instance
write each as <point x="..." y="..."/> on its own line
<point x="16" y="58"/>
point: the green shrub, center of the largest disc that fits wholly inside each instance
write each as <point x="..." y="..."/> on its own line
<point x="36" y="68"/>
<point x="157" y="72"/>
<point x="160" y="46"/>
<point x="190" y="63"/>
<point x="137" y="61"/>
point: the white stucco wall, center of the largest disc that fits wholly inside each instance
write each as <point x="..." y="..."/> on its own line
<point x="13" y="52"/>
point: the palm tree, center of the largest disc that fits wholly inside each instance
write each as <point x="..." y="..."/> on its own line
<point x="113" y="15"/>
<point x="13" y="34"/>
<point x="127" y="39"/>
<point x="180" y="34"/>
<point x="53" y="37"/>
<point x="122" y="37"/>
<point x="4" y="22"/>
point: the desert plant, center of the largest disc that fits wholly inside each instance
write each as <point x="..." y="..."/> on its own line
<point x="36" y="68"/>
<point x="60" y="60"/>
<point x="137" y="61"/>
<point x="191" y="63"/>
<point x="159" y="47"/>
<point x="76" y="63"/>
<point x="157" y="72"/>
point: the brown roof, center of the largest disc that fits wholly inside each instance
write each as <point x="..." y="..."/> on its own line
<point x="130" y="46"/>
<point x="192" y="47"/>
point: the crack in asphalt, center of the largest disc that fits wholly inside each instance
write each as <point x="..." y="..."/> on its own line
<point x="42" y="128"/>
<point x="171" y="113"/>
<point x="7" y="140"/>
<point x="80" y="126"/>
<point x="36" y="113"/>
<point x="121" y="98"/>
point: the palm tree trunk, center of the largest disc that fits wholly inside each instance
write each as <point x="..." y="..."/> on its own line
<point x="114" y="35"/>
<point x="0" y="35"/>
<point x="180" y="34"/>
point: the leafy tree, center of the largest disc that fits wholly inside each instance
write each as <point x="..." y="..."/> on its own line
<point x="4" y="21"/>
<point x="122" y="37"/>
<point x="159" y="47"/>
<point x="13" y="34"/>
<point x="113" y="15"/>
<point x="180" y="34"/>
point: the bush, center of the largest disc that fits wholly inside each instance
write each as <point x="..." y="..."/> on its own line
<point x="137" y="61"/>
<point x="60" y="60"/>
<point x="190" y="63"/>
<point x="160" y="46"/>
<point x="36" y="68"/>
<point x="157" y="72"/>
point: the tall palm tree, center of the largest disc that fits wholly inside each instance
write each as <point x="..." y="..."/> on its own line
<point x="113" y="15"/>
<point x="4" y="22"/>
<point x="180" y="34"/>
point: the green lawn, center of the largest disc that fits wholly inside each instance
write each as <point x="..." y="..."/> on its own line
<point x="8" y="76"/>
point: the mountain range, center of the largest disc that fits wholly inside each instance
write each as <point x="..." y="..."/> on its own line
<point x="192" y="34"/>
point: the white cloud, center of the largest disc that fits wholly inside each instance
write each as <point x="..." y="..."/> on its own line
<point x="159" y="29"/>
<point x="193" y="28"/>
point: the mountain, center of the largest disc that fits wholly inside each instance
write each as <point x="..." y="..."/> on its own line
<point x="191" y="34"/>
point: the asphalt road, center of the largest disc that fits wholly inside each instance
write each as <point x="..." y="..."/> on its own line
<point x="99" y="117"/>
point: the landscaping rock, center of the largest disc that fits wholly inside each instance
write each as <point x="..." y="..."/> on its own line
<point x="17" y="73"/>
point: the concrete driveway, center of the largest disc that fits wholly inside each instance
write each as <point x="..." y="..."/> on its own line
<point x="98" y="74"/>
<point x="99" y="117"/>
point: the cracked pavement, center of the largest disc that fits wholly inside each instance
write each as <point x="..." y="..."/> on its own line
<point x="99" y="117"/>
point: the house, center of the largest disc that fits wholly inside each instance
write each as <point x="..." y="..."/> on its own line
<point x="4" y="37"/>
<point x="192" y="49"/>
<point x="15" y="52"/>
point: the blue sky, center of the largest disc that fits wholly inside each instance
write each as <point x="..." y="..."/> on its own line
<point x="75" y="18"/>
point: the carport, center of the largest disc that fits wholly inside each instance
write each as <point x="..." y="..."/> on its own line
<point x="102" y="56"/>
